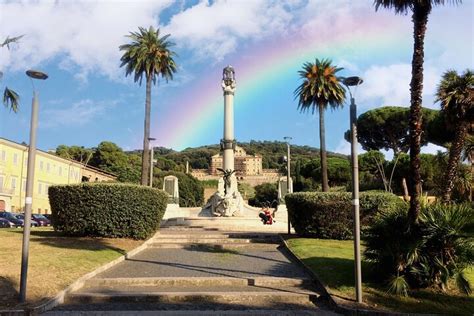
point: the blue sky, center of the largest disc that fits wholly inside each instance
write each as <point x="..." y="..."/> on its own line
<point x="87" y="98"/>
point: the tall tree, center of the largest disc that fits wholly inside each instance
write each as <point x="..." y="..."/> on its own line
<point x="456" y="95"/>
<point x="11" y="99"/>
<point x="320" y="88"/>
<point x="148" y="55"/>
<point x="420" y="11"/>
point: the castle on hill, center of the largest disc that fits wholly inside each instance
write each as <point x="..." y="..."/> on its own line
<point x="248" y="169"/>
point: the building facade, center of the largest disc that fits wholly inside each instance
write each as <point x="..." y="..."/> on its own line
<point x="49" y="170"/>
<point x="245" y="165"/>
<point x="248" y="169"/>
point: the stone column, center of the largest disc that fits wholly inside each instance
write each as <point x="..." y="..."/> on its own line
<point x="228" y="141"/>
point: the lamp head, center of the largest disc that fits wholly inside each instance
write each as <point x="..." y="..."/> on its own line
<point x="151" y="139"/>
<point x="352" y="81"/>
<point x="35" y="74"/>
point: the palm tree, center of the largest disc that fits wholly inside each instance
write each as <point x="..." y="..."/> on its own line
<point x="150" y="55"/>
<point x="320" y="88"/>
<point x="11" y="99"/>
<point x="456" y="94"/>
<point x="421" y="10"/>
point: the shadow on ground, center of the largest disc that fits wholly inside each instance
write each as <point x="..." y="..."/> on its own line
<point x="9" y="292"/>
<point x="56" y="239"/>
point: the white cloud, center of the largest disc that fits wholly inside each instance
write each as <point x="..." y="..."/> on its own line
<point x="78" y="114"/>
<point x="214" y="29"/>
<point x="86" y="34"/>
<point x="344" y="147"/>
<point x="432" y="149"/>
<point x="390" y="85"/>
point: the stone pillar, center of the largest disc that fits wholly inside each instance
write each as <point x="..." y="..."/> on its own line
<point x="228" y="141"/>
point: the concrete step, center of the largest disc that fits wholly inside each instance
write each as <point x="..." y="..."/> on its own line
<point x="180" y="233"/>
<point x="162" y="312"/>
<point x="242" y="295"/>
<point x="197" y="281"/>
<point x="207" y="246"/>
<point x="198" y="240"/>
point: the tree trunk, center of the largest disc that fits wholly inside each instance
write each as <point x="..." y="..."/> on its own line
<point x="420" y="19"/>
<point x="322" y="151"/>
<point x="405" y="189"/>
<point x="454" y="156"/>
<point x="146" y="135"/>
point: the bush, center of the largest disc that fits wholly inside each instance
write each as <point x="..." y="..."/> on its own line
<point x="191" y="190"/>
<point x="430" y="253"/>
<point x="247" y="191"/>
<point x="106" y="209"/>
<point x="264" y="193"/>
<point x="329" y="214"/>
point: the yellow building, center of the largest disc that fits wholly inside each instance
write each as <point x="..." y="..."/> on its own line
<point x="245" y="165"/>
<point x="49" y="170"/>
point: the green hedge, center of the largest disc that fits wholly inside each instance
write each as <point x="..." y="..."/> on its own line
<point x="107" y="209"/>
<point x="329" y="215"/>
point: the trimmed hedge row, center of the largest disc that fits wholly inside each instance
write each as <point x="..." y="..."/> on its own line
<point x="329" y="214"/>
<point x="107" y="209"/>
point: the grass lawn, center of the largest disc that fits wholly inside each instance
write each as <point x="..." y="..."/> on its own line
<point x="54" y="262"/>
<point x="333" y="262"/>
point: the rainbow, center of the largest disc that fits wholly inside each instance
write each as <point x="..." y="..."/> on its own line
<point x="191" y="116"/>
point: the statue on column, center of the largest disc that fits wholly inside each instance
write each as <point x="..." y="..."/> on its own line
<point x="228" y="79"/>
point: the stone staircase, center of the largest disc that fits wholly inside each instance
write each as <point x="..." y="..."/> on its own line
<point x="184" y="272"/>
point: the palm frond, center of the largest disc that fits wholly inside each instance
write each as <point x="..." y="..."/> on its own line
<point x="11" y="99"/>
<point x="398" y="285"/>
<point x="321" y="87"/>
<point x="463" y="284"/>
<point x="10" y="40"/>
<point x="148" y="55"/>
<point x="403" y="6"/>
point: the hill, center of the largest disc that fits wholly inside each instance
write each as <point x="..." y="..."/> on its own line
<point x="272" y="153"/>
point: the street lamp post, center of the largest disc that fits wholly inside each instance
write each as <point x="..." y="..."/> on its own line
<point x="351" y="82"/>
<point x="288" y="186"/>
<point x="150" y="139"/>
<point x="29" y="184"/>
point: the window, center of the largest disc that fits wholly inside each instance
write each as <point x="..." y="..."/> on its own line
<point x="3" y="155"/>
<point x="2" y="178"/>
<point x="13" y="183"/>
<point x="23" y="185"/>
<point x="48" y="167"/>
<point x="60" y="171"/>
<point x="40" y="188"/>
<point x="41" y="165"/>
<point x="15" y="159"/>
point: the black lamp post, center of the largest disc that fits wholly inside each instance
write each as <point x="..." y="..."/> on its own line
<point x="33" y="74"/>
<point x="355" y="82"/>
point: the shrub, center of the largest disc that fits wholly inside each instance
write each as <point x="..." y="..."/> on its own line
<point x="329" y="214"/>
<point x="264" y="193"/>
<point x="430" y="253"/>
<point x="106" y="209"/>
<point x="191" y="190"/>
<point x="247" y="191"/>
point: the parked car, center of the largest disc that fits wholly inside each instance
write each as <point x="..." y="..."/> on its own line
<point x="21" y="216"/>
<point x="5" y="223"/>
<point x="12" y="218"/>
<point x="41" y="220"/>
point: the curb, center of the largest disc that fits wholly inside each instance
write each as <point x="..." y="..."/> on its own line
<point x="339" y="308"/>
<point x="59" y="298"/>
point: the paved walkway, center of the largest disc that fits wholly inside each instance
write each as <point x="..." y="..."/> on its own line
<point x="200" y="272"/>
